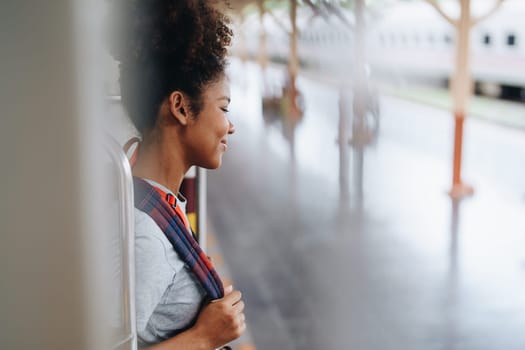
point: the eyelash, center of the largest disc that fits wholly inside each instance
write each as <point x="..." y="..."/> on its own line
<point x="225" y="110"/>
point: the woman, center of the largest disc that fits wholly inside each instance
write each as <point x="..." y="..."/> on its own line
<point x="172" y="56"/>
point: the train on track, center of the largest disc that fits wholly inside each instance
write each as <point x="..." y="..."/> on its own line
<point x="404" y="40"/>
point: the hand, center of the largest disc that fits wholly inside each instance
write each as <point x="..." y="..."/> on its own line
<point x="222" y="320"/>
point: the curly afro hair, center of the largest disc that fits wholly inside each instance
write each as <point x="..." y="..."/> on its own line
<point x="164" y="46"/>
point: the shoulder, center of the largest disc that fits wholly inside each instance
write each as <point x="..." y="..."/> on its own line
<point x="151" y="245"/>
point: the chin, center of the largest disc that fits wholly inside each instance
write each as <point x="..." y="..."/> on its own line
<point x="216" y="163"/>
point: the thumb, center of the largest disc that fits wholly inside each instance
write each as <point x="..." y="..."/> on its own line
<point x="228" y="289"/>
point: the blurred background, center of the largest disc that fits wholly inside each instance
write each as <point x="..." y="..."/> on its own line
<point x="372" y="197"/>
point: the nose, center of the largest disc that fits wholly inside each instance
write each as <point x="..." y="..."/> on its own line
<point x="231" y="128"/>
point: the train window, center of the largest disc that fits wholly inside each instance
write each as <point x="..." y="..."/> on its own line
<point x="511" y="40"/>
<point x="487" y="39"/>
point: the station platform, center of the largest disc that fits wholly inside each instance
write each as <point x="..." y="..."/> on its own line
<point x="406" y="267"/>
<point x="245" y="342"/>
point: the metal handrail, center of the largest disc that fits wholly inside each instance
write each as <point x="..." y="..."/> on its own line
<point x="125" y="190"/>
<point x="129" y="339"/>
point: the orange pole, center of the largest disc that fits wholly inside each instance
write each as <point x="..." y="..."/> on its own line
<point x="459" y="188"/>
<point x="459" y="119"/>
<point x="462" y="85"/>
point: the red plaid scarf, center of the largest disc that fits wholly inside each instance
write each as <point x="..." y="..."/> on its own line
<point x="150" y="201"/>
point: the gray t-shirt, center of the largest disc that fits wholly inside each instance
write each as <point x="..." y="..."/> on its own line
<point x="168" y="295"/>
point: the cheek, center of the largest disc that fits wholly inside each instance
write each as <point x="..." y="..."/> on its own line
<point x="222" y="125"/>
<point x="226" y="126"/>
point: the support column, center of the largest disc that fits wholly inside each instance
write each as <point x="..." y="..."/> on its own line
<point x="359" y="130"/>
<point x="461" y="88"/>
<point x="262" y="55"/>
<point x="293" y="67"/>
<point x="194" y="190"/>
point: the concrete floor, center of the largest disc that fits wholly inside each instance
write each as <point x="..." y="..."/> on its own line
<point x="407" y="268"/>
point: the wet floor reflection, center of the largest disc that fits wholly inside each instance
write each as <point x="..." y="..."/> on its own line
<point x="284" y="108"/>
<point x="454" y="232"/>
<point x="403" y="268"/>
<point x="282" y="104"/>
<point x="450" y="300"/>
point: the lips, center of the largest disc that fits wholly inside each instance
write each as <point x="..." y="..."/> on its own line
<point x="225" y="144"/>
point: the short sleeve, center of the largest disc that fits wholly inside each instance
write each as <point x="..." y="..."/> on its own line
<point x="155" y="266"/>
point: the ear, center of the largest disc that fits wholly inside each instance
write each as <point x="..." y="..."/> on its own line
<point x="179" y="107"/>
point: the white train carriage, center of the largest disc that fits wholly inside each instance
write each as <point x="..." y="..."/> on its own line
<point x="407" y="39"/>
<point x="413" y="39"/>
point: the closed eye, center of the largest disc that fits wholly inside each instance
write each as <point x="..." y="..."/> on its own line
<point x="225" y="110"/>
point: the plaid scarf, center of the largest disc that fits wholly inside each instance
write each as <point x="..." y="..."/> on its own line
<point x="148" y="200"/>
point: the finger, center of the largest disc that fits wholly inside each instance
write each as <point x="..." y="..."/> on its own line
<point x="238" y="307"/>
<point x="232" y="297"/>
<point x="240" y="320"/>
<point x="228" y="289"/>
<point x="242" y="328"/>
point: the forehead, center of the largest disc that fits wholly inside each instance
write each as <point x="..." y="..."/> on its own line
<point x="218" y="88"/>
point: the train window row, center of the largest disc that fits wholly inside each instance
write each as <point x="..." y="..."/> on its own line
<point x="510" y="39"/>
<point x="404" y="39"/>
<point x="325" y="37"/>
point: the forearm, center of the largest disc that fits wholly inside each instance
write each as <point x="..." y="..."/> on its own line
<point x="187" y="340"/>
<point x="218" y="323"/>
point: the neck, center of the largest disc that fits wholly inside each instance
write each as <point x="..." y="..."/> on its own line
<point x="161" y="160"/>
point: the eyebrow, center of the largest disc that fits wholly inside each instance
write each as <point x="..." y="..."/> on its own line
<point x="224" y="98"/>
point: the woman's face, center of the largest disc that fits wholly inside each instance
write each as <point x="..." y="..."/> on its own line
<point x="208" y="131"/>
